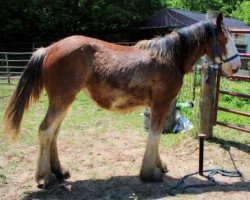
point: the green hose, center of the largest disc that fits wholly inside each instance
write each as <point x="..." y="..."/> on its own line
<point x="211" y="181"/>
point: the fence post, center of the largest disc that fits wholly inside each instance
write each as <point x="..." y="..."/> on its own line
<point x="33" y="47"/>
<point x="207" y="95"/>
<point x="7" y="67"/>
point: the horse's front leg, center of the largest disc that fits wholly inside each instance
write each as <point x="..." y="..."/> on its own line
<point x="149" y="169"/>
<point x="152" y="168"/>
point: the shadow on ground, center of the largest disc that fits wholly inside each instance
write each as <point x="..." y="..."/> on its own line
<point x="126" y="187"/>
<point x="225" y="144"/>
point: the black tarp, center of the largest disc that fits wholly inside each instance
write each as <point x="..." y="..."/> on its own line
<point x="173" y="18"/>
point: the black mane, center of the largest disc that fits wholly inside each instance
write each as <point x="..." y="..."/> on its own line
<point x="194" y="35"/>
<point x="180" y="42"/>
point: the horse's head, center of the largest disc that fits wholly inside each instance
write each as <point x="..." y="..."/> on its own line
<point x="223" y="47"/>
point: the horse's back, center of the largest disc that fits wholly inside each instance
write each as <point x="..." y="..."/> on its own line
<point x="79" y="58"/>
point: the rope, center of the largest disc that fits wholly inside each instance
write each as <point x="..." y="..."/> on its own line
<point x="209" y="72"/>
<point x="194" y="81"/>
<point x="211" y="180"/>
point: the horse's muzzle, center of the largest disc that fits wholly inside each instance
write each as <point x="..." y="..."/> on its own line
<point x="235" y="70"/>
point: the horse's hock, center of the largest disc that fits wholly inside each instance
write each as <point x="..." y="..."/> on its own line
<point x="169" y="122"/>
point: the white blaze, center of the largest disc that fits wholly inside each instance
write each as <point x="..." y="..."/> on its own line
<point x="231" y="51"/>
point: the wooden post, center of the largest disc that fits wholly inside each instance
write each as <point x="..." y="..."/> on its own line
<point x="33" y="47"/>
<point x="7" y="67"/>
<point x="207" y="95"/>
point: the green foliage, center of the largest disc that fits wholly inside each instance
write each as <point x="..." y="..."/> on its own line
<point x="3" y="179"/>
<point x="235" y="103"/>
<point x="50" y="20"/>
<point x="195" y="5"/>
<point x="242" y="12"/>
<point x="44" y="20"/>
<point x="227" y="7"/>
<point x="226" y="101"/>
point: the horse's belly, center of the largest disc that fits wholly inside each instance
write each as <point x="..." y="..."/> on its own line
<point x="126" y="104"/>
<point x="117" y="101"/>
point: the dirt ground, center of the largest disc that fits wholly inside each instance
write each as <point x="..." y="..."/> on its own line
<point x="106" y="166"/>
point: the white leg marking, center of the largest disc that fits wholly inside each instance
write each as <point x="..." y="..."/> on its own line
<point x="45" y="137"/>
<point x="149" y="169"/>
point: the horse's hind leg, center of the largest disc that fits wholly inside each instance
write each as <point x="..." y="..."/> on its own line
<point x="47" y="129"/>
<point x="60" y="172"/>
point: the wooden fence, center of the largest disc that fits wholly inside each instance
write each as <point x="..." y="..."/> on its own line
<point x="12" y="64"/>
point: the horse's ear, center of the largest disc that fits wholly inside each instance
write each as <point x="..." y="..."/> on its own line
<point x="219" y="20"/>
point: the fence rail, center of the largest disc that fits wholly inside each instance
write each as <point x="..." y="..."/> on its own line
<point x="241" y="30"/>
<point x="238" y="95"/>
<point x="12" y="64"/>
<point x="233" y="127"/>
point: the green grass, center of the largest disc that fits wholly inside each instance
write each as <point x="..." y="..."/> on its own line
<point x="226" y="101"/>
<point x="239" y="104"/>
<point x="226" y="134"/>
<point x="85" y="117"/>
<point x="3" y="179"/>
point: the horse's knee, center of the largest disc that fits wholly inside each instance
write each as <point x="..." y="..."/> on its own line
<point x="50" y="124"/>
<point x="46" y="132"/>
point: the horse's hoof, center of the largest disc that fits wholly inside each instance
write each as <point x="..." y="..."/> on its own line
<point x="61" y="174"/>
<point x="163" y="167"/>
<point x="49" y="181"/>
<point x="156" y="175"/>
<point x="66" y="174"/>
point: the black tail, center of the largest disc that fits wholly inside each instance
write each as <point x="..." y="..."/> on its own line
<point x="28" y="90"/>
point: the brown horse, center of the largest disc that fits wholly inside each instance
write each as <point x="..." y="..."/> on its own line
<point x="117" y="78"/>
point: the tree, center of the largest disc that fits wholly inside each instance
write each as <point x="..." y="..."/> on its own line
<point x="51" y="20"/>
<point x="45" y="20"/>
<point x="194" y="5"/>
<point x="225" y="6"/>
<point x="242" y="12"/>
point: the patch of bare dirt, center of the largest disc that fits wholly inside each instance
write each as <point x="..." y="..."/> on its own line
<point x="107" y="166"/>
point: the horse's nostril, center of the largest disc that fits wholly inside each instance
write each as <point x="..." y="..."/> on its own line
<point x="235" y="70"/>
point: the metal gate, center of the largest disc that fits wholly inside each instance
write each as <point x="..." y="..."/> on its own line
<point x="238" y="95"/>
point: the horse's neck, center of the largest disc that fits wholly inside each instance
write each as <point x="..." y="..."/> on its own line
<point x="192" y="56"/>
<point x="192" y="53"/>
